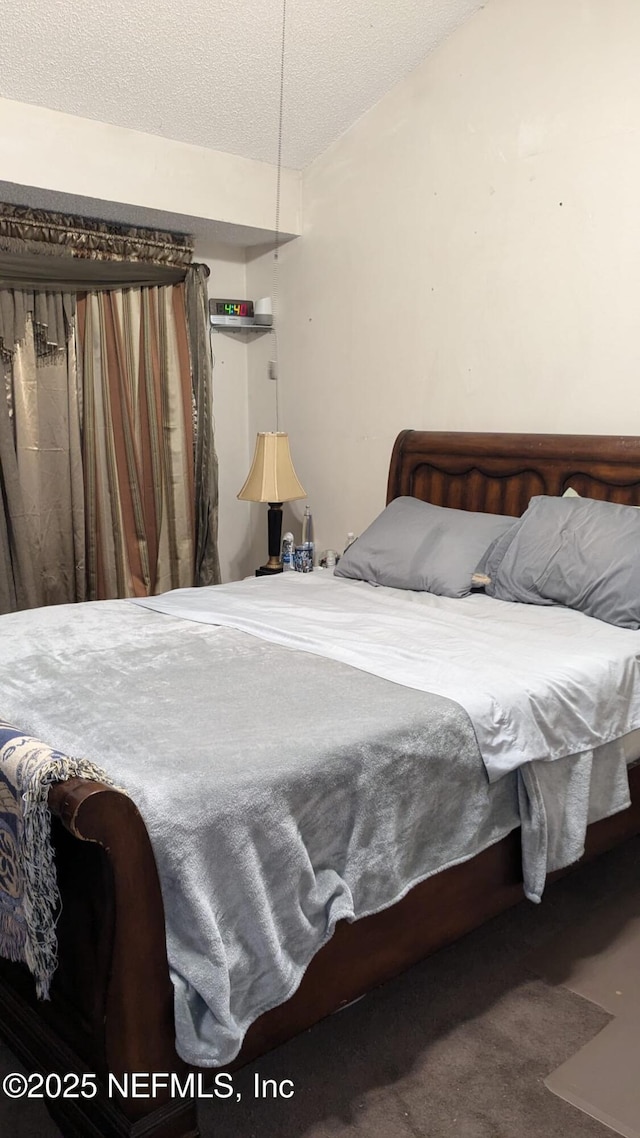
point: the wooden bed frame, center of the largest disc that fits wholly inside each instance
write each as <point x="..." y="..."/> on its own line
<point x="112" y="1000"/>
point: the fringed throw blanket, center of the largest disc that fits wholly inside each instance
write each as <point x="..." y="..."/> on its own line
<point x="29" y="898"/>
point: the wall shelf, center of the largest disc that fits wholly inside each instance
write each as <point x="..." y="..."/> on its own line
<point x="235" y="328"/>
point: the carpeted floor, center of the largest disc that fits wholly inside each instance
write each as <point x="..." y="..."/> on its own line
<point x="458" y="1047"/>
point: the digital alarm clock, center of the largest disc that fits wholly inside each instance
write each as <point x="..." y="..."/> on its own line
<point x="232" y="307"/>
<point x="231" y="313"/>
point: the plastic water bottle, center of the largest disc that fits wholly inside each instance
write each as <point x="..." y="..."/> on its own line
<point x="307" y="529"/>
<point x="287" y="552"/>
<point x="351" y="537"/>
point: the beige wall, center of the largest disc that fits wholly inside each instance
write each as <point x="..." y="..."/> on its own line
<point x="470" y="255"/>
<point x="231" y="411"/>
<point x="47" y="150"/>
<point x="245" y="403"/>
<point x="269" y="410"/>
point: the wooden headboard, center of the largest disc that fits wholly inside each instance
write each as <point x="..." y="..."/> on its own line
<point x="499" y="473"/>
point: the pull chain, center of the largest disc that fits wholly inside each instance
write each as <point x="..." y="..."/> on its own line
<point x="276" y="248"/>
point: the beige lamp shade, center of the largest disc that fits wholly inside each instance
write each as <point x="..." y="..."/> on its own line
<point x="272" y="477"/>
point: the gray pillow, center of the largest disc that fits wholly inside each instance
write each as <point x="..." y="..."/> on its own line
<point x="414" y="545"/>
<point x="577" y="552"/>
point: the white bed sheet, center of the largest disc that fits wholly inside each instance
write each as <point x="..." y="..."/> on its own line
<point x="538" y="683"/>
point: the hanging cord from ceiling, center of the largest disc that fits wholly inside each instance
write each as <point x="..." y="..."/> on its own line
<point x="273" y="365"/>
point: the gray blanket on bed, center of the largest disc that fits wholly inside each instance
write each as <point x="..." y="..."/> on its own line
<point x="281" y="791"/>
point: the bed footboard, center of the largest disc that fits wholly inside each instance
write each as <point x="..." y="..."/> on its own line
<point x="111" y="1009"/>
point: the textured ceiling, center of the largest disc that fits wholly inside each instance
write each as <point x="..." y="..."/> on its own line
<point x="208" y="71"/>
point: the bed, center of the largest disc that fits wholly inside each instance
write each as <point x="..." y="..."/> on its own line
<point x="112" y="1006"/>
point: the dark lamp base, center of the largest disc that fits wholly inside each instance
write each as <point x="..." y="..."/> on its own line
<point x="274" y="522"/>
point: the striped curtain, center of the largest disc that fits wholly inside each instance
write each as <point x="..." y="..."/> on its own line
<point x="138" y="448"/>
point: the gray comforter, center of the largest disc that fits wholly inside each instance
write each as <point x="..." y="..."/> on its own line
<point x="281" y="791"/>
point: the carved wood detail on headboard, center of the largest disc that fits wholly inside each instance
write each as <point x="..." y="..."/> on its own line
<point x="499" y="473"/>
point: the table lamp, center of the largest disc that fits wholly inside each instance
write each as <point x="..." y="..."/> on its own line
<point x="272" y="479"/>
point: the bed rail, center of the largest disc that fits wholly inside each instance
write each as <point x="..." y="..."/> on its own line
<point x="112" y="998"/>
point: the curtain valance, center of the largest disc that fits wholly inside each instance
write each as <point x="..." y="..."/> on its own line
<point x="77" y="274"/>
<point x="26" y="230"/>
